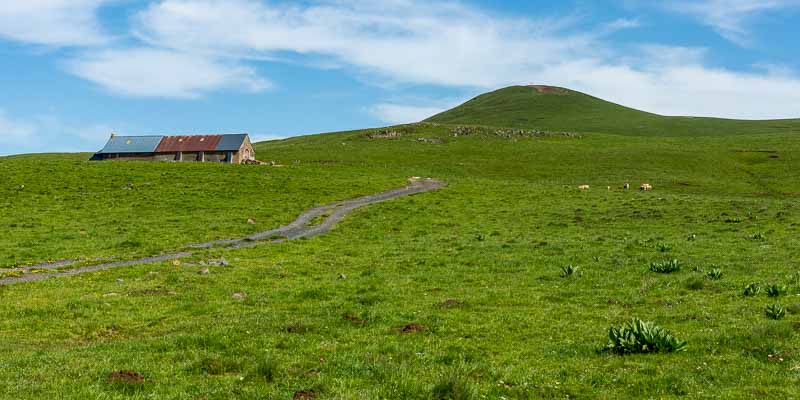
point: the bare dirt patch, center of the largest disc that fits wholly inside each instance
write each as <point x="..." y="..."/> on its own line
<point x="353" y="319"/>
<point x="413" y="328"/>
<point x="549" y="89"/>
<point x="451" y="303"/>
<point x="304" y="395"/>
<point x="153" y="292"/>
<point x="297" y="328"/>
<point x="126" y="378"/>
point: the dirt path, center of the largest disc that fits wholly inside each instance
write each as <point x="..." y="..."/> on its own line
<point x="299" y="228"/>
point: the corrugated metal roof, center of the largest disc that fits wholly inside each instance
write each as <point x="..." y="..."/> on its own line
<point x="231" y="142"/>
<point x="171" y="144"/>
<point x="131" y="144"/>
<point x="188" y="143"/>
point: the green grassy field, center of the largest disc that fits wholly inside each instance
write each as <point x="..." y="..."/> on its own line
<point x="454" y="294"/>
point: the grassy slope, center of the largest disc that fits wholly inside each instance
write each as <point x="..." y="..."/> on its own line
<point x="525" y="107"/>
<point x="67" y="208"/>
<point x="494" y="240"/>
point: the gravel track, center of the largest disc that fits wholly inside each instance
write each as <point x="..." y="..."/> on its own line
<point x="299" y="228"/>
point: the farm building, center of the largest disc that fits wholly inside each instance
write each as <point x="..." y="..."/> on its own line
<point x="230" y="149"/>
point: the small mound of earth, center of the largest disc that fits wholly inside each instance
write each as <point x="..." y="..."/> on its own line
<point x="411" y="328"/>
<point x="304" y="395"/>
<point x="451" y="303"/>
<point x="549" y="89"/>
<point x="297" y="328"/>
<point x="126" y="377"/>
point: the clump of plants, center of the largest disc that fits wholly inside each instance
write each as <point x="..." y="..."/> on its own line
<point x="776" y="290"/>
<point x="715" y="274"/>
<point x="637" y="336"/>
<point x="775" y="311"/>
<point x="759" y="237"/>
<point x="665" y="267"/>
<point x="664" y="247"/>
<point x="570" y="270"/>
<point x="752" y="289"/>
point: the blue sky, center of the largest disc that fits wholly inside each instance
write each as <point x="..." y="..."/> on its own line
<point x="73" y="71"/>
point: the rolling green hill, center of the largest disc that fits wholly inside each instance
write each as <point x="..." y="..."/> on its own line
<point x="558" y="109"/>
<point x="480" y="270"/>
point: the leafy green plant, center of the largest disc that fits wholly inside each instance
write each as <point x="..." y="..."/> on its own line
<point x="570" y="270"/>
<point x="758" y="237"/>
<point x="776" y="290"/>
<point x="751" y="289"/>
<point x="637" y="336"/>
<point x="665" y="267"/>
<point x="775" y="312"/>
<point x="664" y="247"/>
<point x="715" y="274"/>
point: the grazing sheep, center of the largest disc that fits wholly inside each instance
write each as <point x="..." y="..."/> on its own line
<point x="583" y="187"/>
<point x="646" y="187"/>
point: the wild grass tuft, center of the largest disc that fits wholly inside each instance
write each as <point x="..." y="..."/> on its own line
<point x="454" y="386"/>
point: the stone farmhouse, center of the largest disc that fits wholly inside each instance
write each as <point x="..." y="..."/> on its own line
<point x="229" y="149"/>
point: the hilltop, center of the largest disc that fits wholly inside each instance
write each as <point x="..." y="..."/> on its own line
<point x="560" y="109"/>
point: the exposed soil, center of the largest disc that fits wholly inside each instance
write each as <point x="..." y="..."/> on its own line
<point x="355" y="320"/>
<point x="297" y="229"/>
<point x="125" y="377"/>
<point x="411" y="328"/>
<point x="297" y="328"/>
<point x="451" y="303"/>
<point x="304" y="395"/>
<point x="549" y="89"/>
<point x="155" y="291"/>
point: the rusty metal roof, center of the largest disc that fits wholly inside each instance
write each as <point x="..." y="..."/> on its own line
<point x="171" y="144"/>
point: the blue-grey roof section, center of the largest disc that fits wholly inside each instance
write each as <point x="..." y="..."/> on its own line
<point x="231" y="142"/>
<point x="131" y="144"/>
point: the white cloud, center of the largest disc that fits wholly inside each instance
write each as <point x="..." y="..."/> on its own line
<point x="402" y="114"/>
<point x="147" y="72"/>
<point x="52" y="22"/>
<point x="730" y="17"/>
<point x="407" y="40"/>
<point x="452" y="44"/>
<point x="621" y="24"/>
<point x="689" y="89"/>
